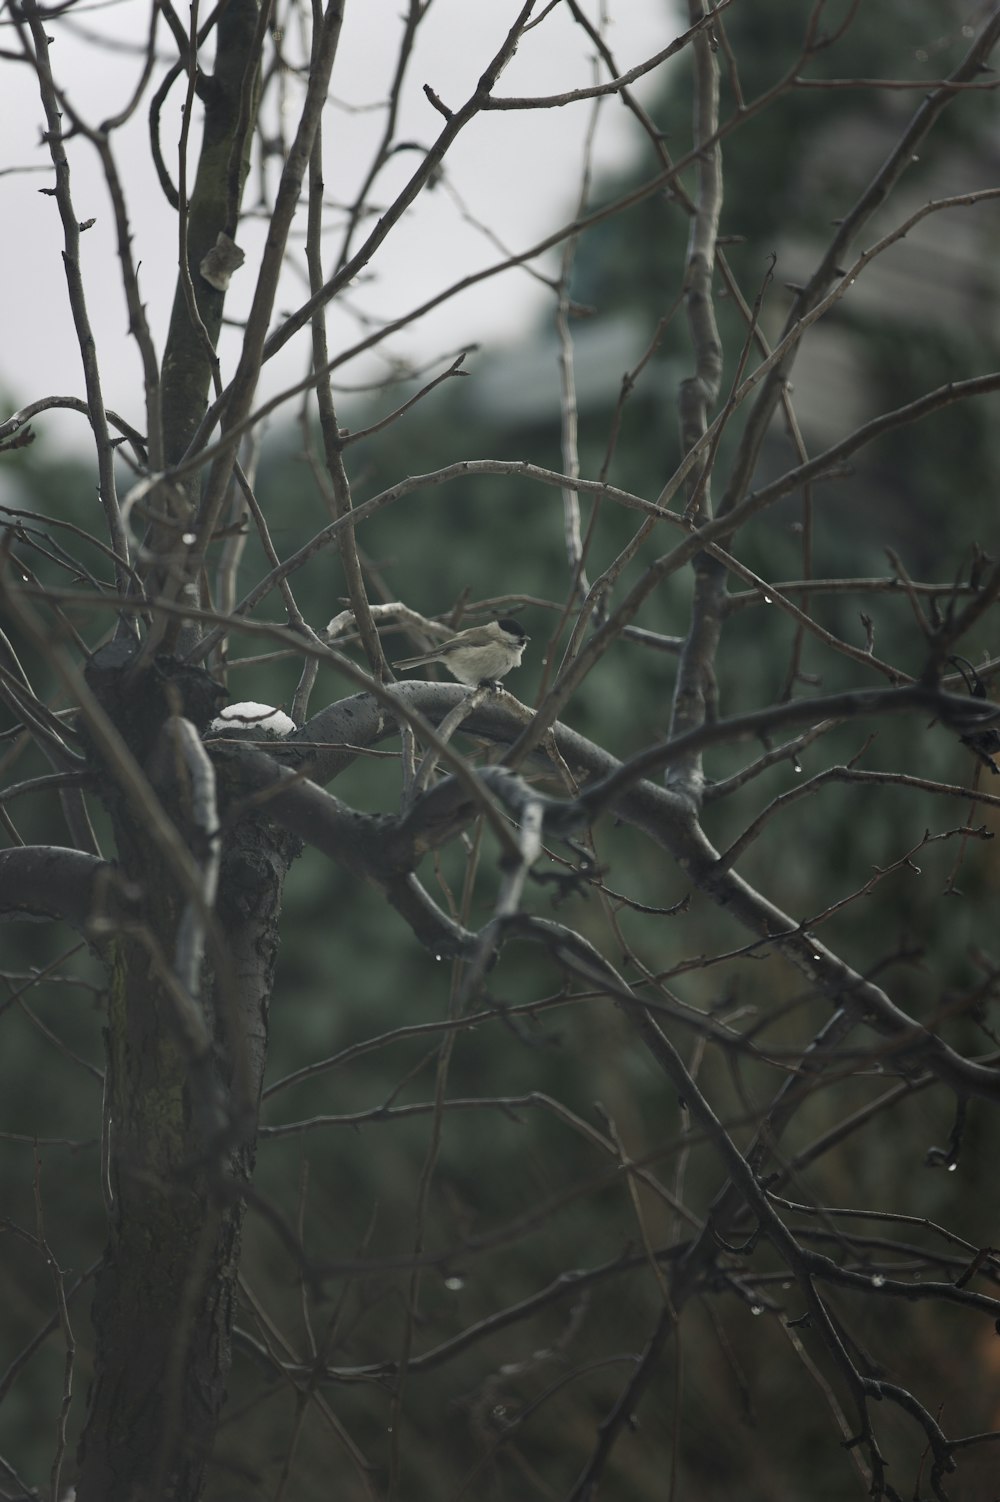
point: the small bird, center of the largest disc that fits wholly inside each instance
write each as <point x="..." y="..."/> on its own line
<point x="483" y="654"/>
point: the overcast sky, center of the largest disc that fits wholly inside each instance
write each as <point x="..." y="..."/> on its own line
<point x="516" y="171"/>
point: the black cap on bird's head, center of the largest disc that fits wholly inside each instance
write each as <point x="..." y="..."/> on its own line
<point x="508" y="623"/>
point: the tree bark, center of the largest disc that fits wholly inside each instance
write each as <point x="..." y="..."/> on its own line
<point x="182" y="1134"/>
<point x="223" y="163"/>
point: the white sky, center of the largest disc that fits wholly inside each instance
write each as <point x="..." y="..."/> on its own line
<point x="517" y="171"/>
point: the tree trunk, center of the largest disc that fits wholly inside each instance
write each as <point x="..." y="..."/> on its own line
<point x="229" y="96"/>
<point x="182" y="1144"/>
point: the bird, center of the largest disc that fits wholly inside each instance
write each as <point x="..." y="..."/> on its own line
<point x="480" y="655"/>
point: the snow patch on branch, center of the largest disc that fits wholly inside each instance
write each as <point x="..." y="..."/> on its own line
<point x="263" y="720"/>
